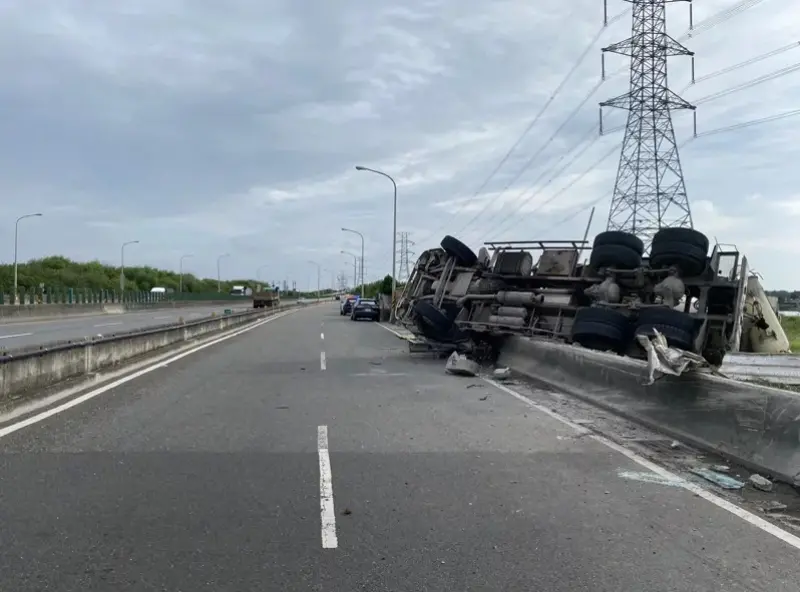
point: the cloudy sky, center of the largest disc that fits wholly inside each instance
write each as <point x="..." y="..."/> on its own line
<point x="205" y="127"/>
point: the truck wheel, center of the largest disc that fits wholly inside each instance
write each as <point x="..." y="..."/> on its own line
<point x="617" y="237"/>
<point x="461" y="252"/>
<point x="682" y="235"/>
<point x="667" y="316"/>
<point x="600" y="328"/>
<point x="687" y="257"/>
<point x="677" y="327"/>
<point x="615" y="256"/>
<point x="432" y="322"/>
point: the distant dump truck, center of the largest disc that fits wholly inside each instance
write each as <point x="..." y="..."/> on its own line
<point x="266" y="298"/>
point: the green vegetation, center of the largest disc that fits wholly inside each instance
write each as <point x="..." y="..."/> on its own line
<point x="791" y="325"/>
<point x="59" y="273"/>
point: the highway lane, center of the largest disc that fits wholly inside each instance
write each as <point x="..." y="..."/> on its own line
<point x="28" y="333"/>
<point x="212" y="473"/>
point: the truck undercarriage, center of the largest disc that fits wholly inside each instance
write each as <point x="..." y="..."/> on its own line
<point x="699" y="302"/>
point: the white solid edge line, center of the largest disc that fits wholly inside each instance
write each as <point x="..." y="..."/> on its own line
<point x="323" y="365"/>
<point x="16" y="335"/>
<point x="112" y="385"/>
<point x="705" y="494"/>
<point x="327" y="513"/>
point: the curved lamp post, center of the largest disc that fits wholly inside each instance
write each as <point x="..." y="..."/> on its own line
<point x="394" y="233"/>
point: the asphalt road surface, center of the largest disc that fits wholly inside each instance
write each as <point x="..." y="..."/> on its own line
<point x="312" y="453"/>
<point x="27" y="333"/>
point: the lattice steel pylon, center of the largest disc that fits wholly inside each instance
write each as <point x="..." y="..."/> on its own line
<point x="649" y="192"/>
<point x="404" y="269"/>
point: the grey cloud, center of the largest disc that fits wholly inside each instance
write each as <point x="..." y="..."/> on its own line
<point x="212" y="127"/>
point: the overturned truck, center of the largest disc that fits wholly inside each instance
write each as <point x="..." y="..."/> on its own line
<point x="708" y="304"/>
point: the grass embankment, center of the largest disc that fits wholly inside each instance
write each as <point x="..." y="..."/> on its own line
<point x="791" y="325"/>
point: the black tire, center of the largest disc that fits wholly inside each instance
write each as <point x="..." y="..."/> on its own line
<point x="689" y="236"/>
<point x="615" y="256"/>
<point x="431" y="317"/>
<point x="600" y="328"/>
<point x="465" y="256"/>
<point x="667" y="316"/>
<point x="690" y="259"/>
<point x="675" y="337"/>
<point x="617" y="237"/>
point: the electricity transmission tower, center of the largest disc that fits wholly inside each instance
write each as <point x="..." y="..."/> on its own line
<point x="649" y="192"/>
<point x="404" y="269"/>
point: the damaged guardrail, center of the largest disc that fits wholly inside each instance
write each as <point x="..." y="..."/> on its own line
<point x="754" y="425"/>
<point x="25" y="372"/>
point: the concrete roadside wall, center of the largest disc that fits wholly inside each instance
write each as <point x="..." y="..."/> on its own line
<point x="38" y="370"/>
<point x="755" y="425"/>
<point x="10" y="313"/>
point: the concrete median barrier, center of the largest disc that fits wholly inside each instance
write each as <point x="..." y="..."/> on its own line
<point x="754" y="425"/>
<point x="28" y="372"/>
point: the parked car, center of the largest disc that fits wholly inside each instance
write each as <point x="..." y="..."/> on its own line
<point x="347" y="305"/>
<point x="366" y="309"/>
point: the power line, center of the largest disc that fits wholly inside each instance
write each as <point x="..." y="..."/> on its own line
<point x="586" y="141"/>
<point x="751" y="83"/>
<point x="707" y="24"/>
<point x="745" y="63"/>
<point x="537" y="117"/>
<point x="718" y="18"/>
<point x="720" y="94"/>
<point x="736" y="126"/>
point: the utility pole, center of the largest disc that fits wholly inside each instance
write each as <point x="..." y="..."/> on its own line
<point x="16" y="250"/>
<point x="122" y="266"/>
<point x="180" y="272"/>
<point x="219" y="274"/>
<point x="649" y="192"/>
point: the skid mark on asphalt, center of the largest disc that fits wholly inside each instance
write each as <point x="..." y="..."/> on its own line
<point x="661" y="472"/>
<point x="327" y="512"/>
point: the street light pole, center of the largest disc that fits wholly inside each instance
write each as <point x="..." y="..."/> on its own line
<point x="319" y="272"/>
<point x="122" y="265"/>
<point x="16" y="245"/>
<point x="219" y="280"/>
<point x="258" y="271"/>
<point x="180" y="268"/>
<point x="362" y="256"/>
<point x="394" y="234"/>
<point x="355" y="263"/>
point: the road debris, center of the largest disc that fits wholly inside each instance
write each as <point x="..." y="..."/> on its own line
<point x="760" y="482"/>
<point x="773" y="506"/>
<point x="723" y="481"/>
<point x="460" y="365"/>
<point x="501" y="373"/>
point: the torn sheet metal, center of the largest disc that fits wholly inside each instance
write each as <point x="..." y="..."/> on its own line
<point x="663" y="359"/>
